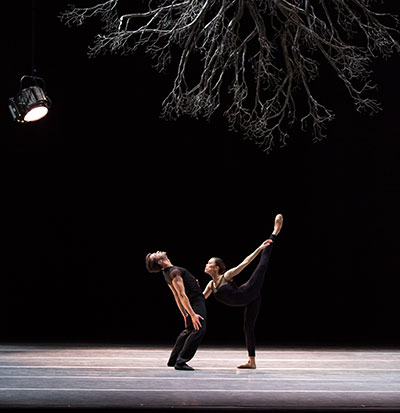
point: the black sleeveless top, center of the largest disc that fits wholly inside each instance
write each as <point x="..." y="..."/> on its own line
<point x="230" y="294"/>
<point x="192" y="288"/>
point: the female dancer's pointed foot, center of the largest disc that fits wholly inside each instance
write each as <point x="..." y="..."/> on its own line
<point x="278" y="224"/>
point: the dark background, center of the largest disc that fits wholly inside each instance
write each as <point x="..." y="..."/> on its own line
<point x="88" y="191"/>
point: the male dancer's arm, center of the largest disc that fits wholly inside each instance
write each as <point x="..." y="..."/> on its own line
<point x="236" y="270"/>
<point x="178" y="303"/>
<point x="184" y="300"/>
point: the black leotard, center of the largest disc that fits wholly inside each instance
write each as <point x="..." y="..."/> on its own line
<point x="232" y="295"/>
<point x="248" y="295"/>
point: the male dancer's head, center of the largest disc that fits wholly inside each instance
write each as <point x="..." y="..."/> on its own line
<point x="157" y="261"/>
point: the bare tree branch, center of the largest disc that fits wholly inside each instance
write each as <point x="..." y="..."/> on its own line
<point x="259" y="53"/>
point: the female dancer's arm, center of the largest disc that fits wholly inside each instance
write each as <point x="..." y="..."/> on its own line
<point x="207" y="291"/>
<point x="236" y="270"/>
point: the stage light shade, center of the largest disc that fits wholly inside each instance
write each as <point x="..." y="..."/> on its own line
<point x="31" y="103"/>
<point x="36" y="113"/>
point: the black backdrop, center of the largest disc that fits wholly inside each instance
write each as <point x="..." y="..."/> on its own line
<point x="102" y="180"/>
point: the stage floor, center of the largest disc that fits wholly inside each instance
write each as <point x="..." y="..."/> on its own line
<point x="93" y="376"/>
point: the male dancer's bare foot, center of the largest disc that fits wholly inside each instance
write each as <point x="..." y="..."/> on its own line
<point x="278" y="224"/>
<point x="251" y="364"/>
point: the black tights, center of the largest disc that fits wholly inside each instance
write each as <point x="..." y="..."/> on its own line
<point x="252" y="288"/>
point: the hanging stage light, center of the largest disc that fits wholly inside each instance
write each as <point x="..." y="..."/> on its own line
<point x="31" y="103"/>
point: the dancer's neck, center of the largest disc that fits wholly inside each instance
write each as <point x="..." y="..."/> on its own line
<point x="216" y="279"/>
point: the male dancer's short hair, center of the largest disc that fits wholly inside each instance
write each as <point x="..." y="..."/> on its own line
<point x="152" y="264"/>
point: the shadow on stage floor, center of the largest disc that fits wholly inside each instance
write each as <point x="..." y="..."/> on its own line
<point x="88" y="376"/>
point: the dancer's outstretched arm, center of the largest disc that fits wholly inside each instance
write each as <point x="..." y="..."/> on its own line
<point x="236" y="270"/>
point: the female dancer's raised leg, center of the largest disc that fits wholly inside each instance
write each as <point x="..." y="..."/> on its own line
<point x="253" y="285"/>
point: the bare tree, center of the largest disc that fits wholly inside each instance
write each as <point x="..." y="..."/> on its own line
<point x="258" y="53"/>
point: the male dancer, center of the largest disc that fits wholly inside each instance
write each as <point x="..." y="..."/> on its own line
<point x="191" y="303"/>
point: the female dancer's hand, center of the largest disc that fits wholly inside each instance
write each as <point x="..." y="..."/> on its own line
<point x="266" y="243"/>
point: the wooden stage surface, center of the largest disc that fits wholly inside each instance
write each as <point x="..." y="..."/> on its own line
<point x="136" y="377"/>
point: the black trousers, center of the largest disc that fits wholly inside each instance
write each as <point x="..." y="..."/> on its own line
<point x="189" y="339"/>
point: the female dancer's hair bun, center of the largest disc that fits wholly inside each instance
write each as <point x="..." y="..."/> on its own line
<point x="220" y="263"/>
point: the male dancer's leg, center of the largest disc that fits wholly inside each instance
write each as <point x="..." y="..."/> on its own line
<point x="180" y="342"/>
<point x="193" y="340"/>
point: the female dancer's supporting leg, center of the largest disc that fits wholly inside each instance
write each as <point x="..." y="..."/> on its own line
<point x="250" y="317"/>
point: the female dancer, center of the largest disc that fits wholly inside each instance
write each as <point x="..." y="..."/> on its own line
<point x="248" y="294"/>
